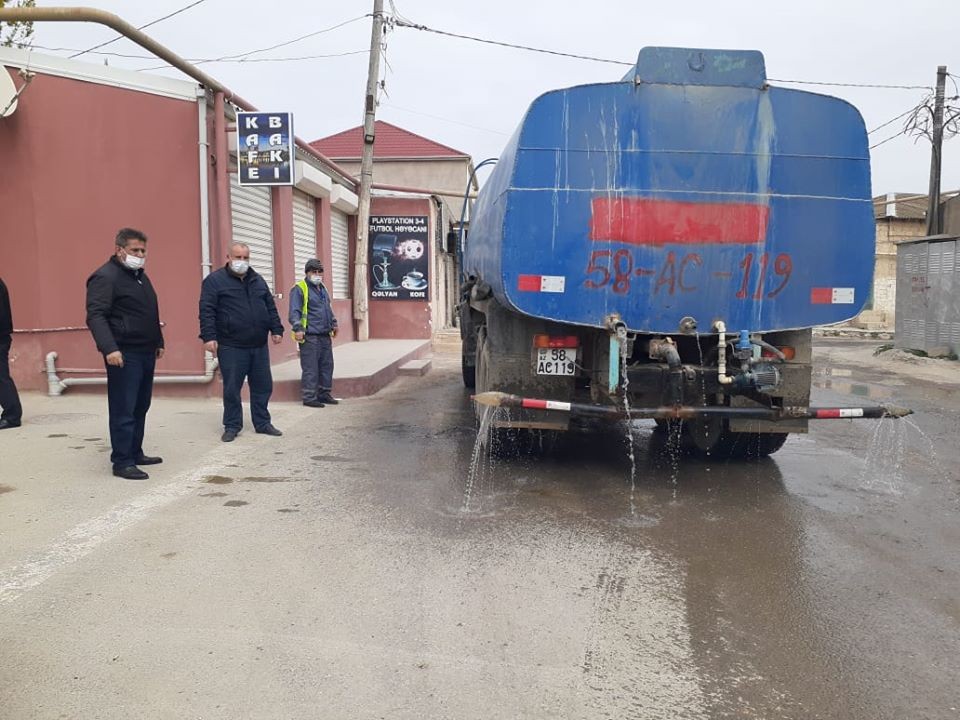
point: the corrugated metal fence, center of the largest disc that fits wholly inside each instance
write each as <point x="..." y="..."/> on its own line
<point x="928" y="295"/>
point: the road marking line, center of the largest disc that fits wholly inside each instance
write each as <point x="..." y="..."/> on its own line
<point x="86" y="537"/>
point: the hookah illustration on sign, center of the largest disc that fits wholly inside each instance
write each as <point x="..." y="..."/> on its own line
<point x="389" y="247"/>
<point x="382" y="251"/>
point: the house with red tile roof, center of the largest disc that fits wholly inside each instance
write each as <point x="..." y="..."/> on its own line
<point x="413" y="176"/>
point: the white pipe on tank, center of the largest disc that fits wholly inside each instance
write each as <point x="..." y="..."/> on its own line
<point x="722" y="376"/>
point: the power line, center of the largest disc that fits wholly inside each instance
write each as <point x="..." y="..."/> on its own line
<point x="245" y="56"/>
<point x="93" y="52"/>
<point x="198" y="61"/>
<point x="893" y="120"/>
<point x="856" y="85"/>
<point x="424" y="28"/>
<point x="416" y="26"/>
<point x="444" y="119"/>
<point x="296" y="58"/>
<point x="295" y="40"/>
<point x="289" y="59"/>
<point x="142" y="27"/>
<point x="884" y="142"/>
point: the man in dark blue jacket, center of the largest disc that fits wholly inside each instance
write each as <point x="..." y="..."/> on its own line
<point x="9" y="398"/>
<point x="237" y="312"/>
<point x="314" y="325"/>
<point x="124" y="318"/>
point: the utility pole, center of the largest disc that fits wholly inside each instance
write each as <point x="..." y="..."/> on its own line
<point x="360" y="302"/>
<point x="933" y="205"/>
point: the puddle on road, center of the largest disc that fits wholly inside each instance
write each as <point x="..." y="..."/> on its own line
<point x="235" y="503"/>
<point x="217" y="479"/>
<point x="852" y="388"/>
<point x="496" y="444"/>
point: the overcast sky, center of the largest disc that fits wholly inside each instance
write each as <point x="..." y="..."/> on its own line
<point x="471" y="96"/>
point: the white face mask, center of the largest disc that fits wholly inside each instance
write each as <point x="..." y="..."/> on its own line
<point x="133" y="261"/>
<point x="316" y="279"/>
<point x="240" y="267"/>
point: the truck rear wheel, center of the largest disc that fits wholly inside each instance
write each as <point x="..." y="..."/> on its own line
<point x="712" y="438"/>
<point x="469" y="373"/>
<point x="746" y="446"/>
<point x="743" y="446"/>
<point x="506" y="442"/>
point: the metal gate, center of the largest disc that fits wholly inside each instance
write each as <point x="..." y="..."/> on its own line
<point x="943" y="319"/>
<point x="252" y="219"/>
<point x="928" y="296"/>
<point x="340" y="244"/>
<point x="304" y="231"/>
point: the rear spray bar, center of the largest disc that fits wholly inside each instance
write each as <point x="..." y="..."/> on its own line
<point x="689" y="412"/>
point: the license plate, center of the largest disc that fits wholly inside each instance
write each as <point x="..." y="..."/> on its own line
<point x="556" y="361"/>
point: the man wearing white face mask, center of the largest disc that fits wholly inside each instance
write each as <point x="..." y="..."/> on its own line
<point x="314" y="326"/>
<point x="124" y="317"/>
<point x="237" y="312"/>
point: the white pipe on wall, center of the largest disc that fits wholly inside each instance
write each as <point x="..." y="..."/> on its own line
<point x="203" y="151"/>
<point x="56" y="386"/>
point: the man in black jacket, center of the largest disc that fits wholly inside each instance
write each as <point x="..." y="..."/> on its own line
<point x="9" y="399"/>
<point x="237" y="312"/>
<point x="123" y="315"/>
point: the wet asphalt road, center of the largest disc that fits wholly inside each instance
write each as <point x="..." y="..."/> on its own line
<point x="363" y="571"/>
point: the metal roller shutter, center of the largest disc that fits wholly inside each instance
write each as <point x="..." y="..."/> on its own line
<point x="340" y="244"/>
<point x="304" y="231"/>
<point x="252" y="220"/>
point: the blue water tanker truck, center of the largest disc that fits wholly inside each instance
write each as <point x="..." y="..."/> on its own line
<point x="661" y="247"/>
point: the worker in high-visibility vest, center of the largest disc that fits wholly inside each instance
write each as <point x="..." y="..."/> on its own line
<point x="314" y="327"/>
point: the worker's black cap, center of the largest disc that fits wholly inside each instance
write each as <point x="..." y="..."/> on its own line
<point x="313" y="265"/>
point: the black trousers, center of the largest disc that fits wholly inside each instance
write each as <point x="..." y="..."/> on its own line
<point x="252" y="365"/>
<point x="129" y="391"/>
<point x="9" y="398"/>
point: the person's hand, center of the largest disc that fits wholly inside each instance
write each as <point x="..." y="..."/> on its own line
<point x="298" y="336"/>
<point x="115" y="358"/>
<point x="333" y="333"/>
<point x="277" y="339"/>
<point x="211" y="346"/>
<point x="159" y="353"/>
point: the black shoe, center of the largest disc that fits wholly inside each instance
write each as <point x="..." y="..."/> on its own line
<point x="269" y="430"/>
<point x="6" y="424"/>
<point x="328" y="399"/>
<point x="148" y="460"/>
<point x="131" y="472"/>
<point x="313" y="403"/>
<point x="229" y="435"/>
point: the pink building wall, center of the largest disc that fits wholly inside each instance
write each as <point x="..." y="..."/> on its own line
<point x="82" y="160"/>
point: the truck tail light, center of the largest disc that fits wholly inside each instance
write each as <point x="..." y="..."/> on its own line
<point x="556" y="341"/>
<point x="789" y="353"/>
